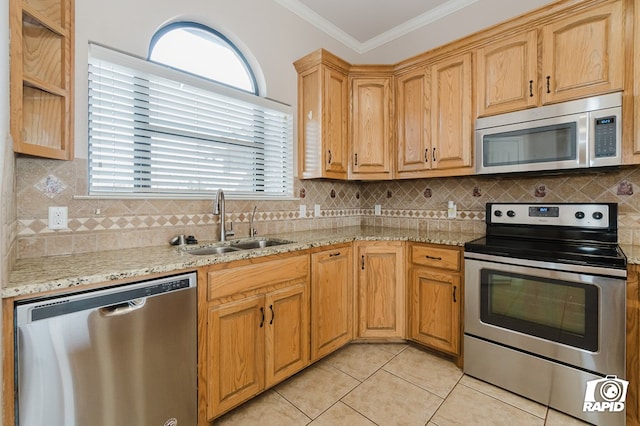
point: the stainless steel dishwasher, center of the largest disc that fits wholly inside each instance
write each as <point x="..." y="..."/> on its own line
<point x="120" y="356"/>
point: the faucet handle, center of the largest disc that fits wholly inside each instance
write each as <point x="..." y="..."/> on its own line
<point x="230" y="232"/>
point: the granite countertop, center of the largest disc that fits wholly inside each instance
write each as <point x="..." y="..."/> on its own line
<point x="45" y="274"/>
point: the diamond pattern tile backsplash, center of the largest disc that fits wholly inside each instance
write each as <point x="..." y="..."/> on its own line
<point x="102" y="224"/>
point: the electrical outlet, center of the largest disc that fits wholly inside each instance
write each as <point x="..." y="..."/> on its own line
<point x="316" y="210"/>
<point x="303" y="211"/>
<point x="58" y="217"/>
<point x="377" y="209"/>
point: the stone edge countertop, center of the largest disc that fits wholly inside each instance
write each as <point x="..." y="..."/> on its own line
<point x="33" y="276"/>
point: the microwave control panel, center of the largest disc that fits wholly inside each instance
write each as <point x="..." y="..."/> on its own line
<point x="605" y="137"/>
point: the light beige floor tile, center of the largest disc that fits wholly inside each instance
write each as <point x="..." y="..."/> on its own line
<point x="556" y="418"/>
<point x="394" y="348"/>
<point x="525" y="404"/>
<point x="389" y="400"/>
<point x="316" y="389"/>
<point x="360" y="360"/>
<point x="340" y="414"/>
<point x="469" y="407"/>
<point x="270" y="406"/>
<point x="426" y="370"/>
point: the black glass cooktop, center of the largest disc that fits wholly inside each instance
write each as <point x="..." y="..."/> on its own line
<point x="581" y="253"/>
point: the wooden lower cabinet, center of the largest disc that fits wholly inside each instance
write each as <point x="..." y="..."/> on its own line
<point x="331" y="300"/>
<point x="435" y="307"/>
<point x="380" y="287"/>
<point x="435" y="297"/>
<point x="257" y="328"/>
<point x="236" y="348"/>
<point x="632" y="404"/>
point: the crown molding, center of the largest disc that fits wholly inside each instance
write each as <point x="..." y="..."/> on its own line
<point x="412" y="24"/>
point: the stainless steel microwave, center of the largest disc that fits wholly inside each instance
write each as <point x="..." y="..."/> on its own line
<point x="570" y="135"/>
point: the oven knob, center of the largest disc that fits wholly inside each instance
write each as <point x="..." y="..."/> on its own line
<point x="511" y="213"/>
<point x="579" y="215"/>
<point x="597" y="215"/>
<point x="498" y="213"/>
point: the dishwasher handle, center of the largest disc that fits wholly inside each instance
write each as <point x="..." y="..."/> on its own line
<point x="123" y="308"/>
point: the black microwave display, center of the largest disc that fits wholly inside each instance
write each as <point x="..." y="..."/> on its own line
<point x="605" y="137"/>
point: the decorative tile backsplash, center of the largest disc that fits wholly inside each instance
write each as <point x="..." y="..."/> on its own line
<point x="101" y="224"/>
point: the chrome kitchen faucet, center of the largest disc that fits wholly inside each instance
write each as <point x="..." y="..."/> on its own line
<point x="219" y="209"/>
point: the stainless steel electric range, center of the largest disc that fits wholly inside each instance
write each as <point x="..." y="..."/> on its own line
<point x="545" y="302"/>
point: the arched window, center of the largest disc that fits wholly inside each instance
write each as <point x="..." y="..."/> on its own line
<point x="186" y="121"/>
<point x="200" y="50"/>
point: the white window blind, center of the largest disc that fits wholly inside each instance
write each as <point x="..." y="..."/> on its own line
<point x="155" y="130"/>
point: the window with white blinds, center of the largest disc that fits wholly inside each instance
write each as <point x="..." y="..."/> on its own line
<point x="155" y="130"/>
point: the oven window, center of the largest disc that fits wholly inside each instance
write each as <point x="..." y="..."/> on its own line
<point x="559" y="311"/>
<point x="539" y="145"/>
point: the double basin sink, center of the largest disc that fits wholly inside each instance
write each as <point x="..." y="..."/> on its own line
<point x="240" y="245"/>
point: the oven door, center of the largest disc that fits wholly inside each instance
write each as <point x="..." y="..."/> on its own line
<point x="576" y="318"/>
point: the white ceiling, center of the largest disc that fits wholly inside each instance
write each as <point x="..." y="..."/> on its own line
<point x="363" y="25"/>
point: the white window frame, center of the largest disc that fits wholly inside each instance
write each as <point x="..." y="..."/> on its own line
<point x="253" y="134"/>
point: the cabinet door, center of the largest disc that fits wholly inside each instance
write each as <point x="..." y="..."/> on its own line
<point x="381" y="294"/>
<point x="286" y="332"/>
<point x="334" y="129"/>
<point x="582" y="55"/>
<point x="236" y="348"/>
<point x="371" y="128"/>
<point x="331" y="301"/>
<point x="451" y="115"/>
<point x="435" y="309"/>
<point x="507" y="74"/>
<point x="413" y="116"/>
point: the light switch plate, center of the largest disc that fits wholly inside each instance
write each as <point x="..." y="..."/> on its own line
<point x="377" y="209"/>
<point x="316" y="210"/>
<point x="303" y="211"/>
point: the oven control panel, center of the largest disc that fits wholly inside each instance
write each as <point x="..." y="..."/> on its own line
<point x="588" y="215"/>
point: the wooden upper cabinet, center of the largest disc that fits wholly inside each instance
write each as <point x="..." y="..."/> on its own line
<point x="323" y="109"/>
<point x="435" y="119"/>
<point x="41" y="94"/>
<point x="583" y="54"/>
<point x="507" y="75"/>
<point x="413" y="121"/>
<point x="451" y="113"/>
<point x="371" y="128"/>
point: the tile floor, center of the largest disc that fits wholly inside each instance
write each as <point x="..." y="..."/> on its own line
<point x="389" y="384"/>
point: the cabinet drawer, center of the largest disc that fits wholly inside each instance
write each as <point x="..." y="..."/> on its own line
<point x="233" y="280"/>
<point x="436" y="257"/>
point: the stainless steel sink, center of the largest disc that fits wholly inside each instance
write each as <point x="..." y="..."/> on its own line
<point x="213" y="250"/>
<point x="235" y="246"/>
<point x="254" y="244"/>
